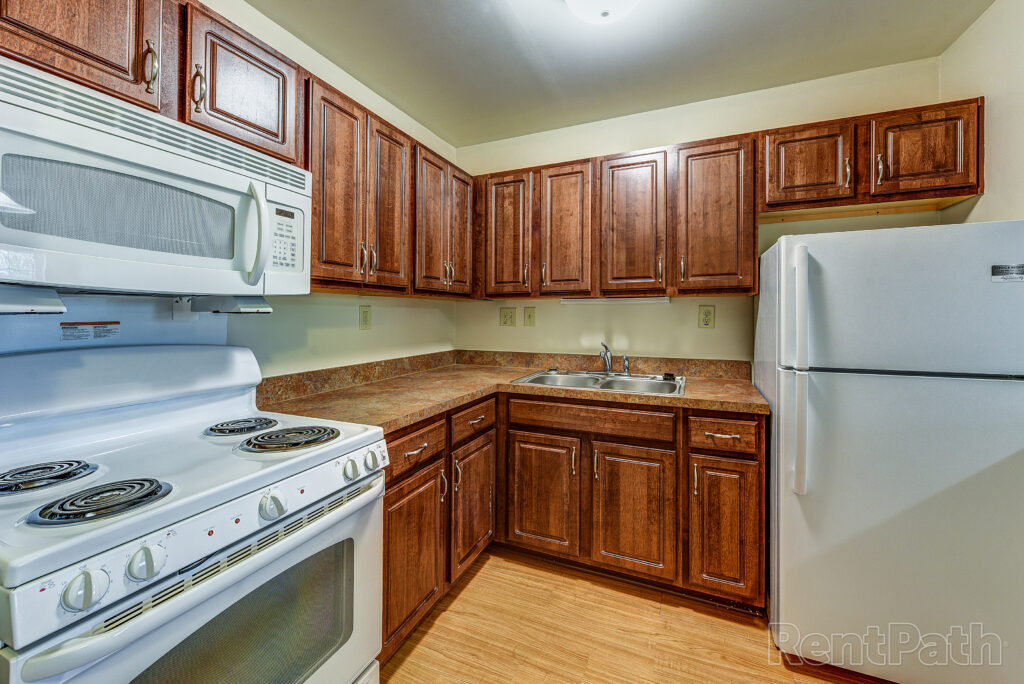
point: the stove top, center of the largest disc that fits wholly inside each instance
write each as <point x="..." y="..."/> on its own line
<point x="37" y="476"/>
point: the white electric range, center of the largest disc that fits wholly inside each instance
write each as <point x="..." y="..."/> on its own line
<point x="149" y="513"/>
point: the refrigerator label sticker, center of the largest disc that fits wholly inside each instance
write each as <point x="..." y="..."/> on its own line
<point x="1008" y="273"/>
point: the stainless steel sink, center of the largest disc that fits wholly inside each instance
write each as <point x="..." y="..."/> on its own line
<point x="608" y="382"/>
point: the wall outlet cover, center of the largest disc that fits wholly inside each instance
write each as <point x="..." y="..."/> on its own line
<point x="706" y="316"/>
<point x="507" y="316"/>
<point x="530" y="316"/>
<point x="364" y="317"/>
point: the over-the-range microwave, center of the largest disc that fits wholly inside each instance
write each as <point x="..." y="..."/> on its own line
<point x="99" y="196"/>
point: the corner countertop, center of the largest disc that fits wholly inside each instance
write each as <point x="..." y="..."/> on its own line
<point x="401" y="401"/>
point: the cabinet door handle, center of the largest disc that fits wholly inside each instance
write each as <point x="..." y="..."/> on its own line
<point x="526" y="275"/>
<point x="418" y="451"/>
<point x="721" y="436"/>
<point x="197" y="99"/>
<point x="478" y="420"/>
<point x="450" y="269"/>
<point x="458" y="481"/>
<point x="362" y="259"/>
<point x="445" y="481"/>
<point x="695" y="479"/>
<point x="544" y="273"/>
<point x="373" y="266"/>
<point x="572" y="460"/>
<point x="659" y="269"/>
<point x="682" y="267"/>
<point x="881" y="169"/>
<point x="595" y="464"/>
<point x="154" y="65"/>
<point x="849" y="172"/>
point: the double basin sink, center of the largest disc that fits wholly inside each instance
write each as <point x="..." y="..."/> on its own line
<point x="609" y="382"/>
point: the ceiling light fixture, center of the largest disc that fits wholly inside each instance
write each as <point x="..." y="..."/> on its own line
<point x="601" y="11"/>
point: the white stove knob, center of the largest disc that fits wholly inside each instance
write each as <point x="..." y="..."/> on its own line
<point x="84" y="590"/>
<point x="273" y="506"/>
<point x="371" y="460"/>
<point x="146" y="563"/>
<point x="351" y="470"/>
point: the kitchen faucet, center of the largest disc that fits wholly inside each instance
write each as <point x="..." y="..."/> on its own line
<point x="606" y="356"/>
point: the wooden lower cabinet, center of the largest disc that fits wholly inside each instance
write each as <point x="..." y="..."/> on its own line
<point x="472" y="501"/>
<point x="726" y="527"/>
<point x="544" y="492"/>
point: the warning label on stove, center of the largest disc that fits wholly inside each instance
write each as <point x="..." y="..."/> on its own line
<point x="1008" y="273"/>
<point x="89" y="330"/>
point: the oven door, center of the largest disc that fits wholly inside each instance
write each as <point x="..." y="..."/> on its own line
<point x="306" y="606"/>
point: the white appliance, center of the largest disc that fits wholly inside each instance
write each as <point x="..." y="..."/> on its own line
<point x="154" y="526"/>
<point x="894" y="364"/>
<point x="98" y="195"/>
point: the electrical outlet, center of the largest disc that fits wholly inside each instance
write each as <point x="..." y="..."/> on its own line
<point x="530" y="316"/>
<point x="364" y="316"/>
<point x="507" y="316"/>
<point x="705" y="316"/>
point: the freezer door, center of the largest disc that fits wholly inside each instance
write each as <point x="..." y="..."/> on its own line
<point x="766" y="336"/>
<point x="908" y="526"/>
<point x="906" y="299"/>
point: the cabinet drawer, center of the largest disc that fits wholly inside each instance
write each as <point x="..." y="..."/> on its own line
<point x="408" y="452"/>
<point x="725" y="435"/>
<point x="473" y="420"/>
<point x="654" y="425"/>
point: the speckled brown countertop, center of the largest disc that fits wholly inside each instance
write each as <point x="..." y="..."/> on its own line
<point x="397" y="402"/>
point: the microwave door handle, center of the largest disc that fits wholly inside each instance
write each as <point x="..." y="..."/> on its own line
<point x="262" y="236"/>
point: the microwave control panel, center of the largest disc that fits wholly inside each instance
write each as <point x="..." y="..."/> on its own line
<point x="287" y="240"/>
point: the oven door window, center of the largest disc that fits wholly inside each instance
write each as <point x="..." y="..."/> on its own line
<point x="280" y="632"/>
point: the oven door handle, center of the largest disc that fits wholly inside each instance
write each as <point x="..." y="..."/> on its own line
<point x="84" y="650"/>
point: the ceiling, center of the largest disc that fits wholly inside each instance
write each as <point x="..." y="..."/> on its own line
<point x="479" y="70"/>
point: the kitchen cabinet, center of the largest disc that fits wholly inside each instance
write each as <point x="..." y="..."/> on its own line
<point x="633" y="220"/>
<point x="810" y="163"/>
<point x="544" y="492"/>
<point x="414" y="552"/>
<point x="388" y="214"/>
<point x="716" y="216"/>
<point x="239" y="88"/>
<point x="472" y="501"/>
<point x="114" y="47"/>
<point x="925" y="149"/>
<point x="444" y="225"/>
<point x="635" y="509"/>
<point x="337" y="144"/>
<point x="460" y="231"/>
<point x="565" y="228"/>
<point x="508" y="226"/>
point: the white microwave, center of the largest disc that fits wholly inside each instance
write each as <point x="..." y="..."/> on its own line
<point x="99" y="196"/>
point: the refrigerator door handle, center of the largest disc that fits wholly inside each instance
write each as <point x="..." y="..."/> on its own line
<point x="802" y="286"/>
<point x="799" y="485"/>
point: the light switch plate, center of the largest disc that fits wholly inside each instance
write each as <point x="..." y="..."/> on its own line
<point x="530" y="316"/>
<point x="507" y="316"/>
<point x="706" y="316"/>
<point x="364" y="317"/>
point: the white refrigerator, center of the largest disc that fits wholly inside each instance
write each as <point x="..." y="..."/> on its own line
<point x="894" y="364"/>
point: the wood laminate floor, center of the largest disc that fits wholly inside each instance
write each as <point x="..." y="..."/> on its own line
<point x="517" y="618"/>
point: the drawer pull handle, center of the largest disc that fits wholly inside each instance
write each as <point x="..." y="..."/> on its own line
<point x="720" y="436"/>
<point x="418" y="451"/>
<point x="478" y="420"/>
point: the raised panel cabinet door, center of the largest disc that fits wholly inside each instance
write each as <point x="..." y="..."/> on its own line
<point x="239" y="88"/>
<point x="414" y="552"/>
<point x="925" y="150"/>
<point x="633" y="208"/>
<point x="460" y="226"/>
<point x="388" y="214"/>
<point x="726" y="527"/>
<point x="810" y="163"/>
<point x="432" y="234"/>
<point x="565" y="228"/>
<point x="508" y="224"/>
<point x="544" y="492"/>
<point x="715" y="221"/>
<point x="337" y="147"/>
<point x="635" y="510"/>
<point x="472" y="501"/>
<point x="113" y="46"/>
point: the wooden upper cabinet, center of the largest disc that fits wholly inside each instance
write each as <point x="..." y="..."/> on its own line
<point x="810" y="163"/>
<point x="508" y="226"/>
<point x="927" y="149"/>
<point x="240" y="88"/>
<point x="432" y="233"/>
<point x="565" y="228"/>
<point x="635" y="510"/>
<point x="633" y="209"/>
<point x="715" y="221"/>
<point x="472" y="501"/>
<point x="460" y="226"/>
<point x="114" y="46"/>
<point x="544" y="492"/>
<point x="388" y="213"/>
<point x="337" y="161"/>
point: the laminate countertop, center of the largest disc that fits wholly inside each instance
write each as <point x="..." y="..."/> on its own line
<point x="401" y="401"/>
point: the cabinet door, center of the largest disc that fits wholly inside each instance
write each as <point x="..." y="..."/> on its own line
<point x="337" y="142"/>
<point x="715" y="219"/>
<point x="809" y="163"/>
<point x="633" y="208"/>
<point x="432" y="235"/>
<point x="460" y="225"/>
<point x="925" y="150"/>
<point x="635" y="510"/>
<point x="239" y="88"/>
<point x="544" y="492"/>
<point x="726" y="556"/>
<point x="472" y="501"/>
<point x="508" y="224"/>
<point x="414" y="545"/>
<point x="111" y="45"/>
<point x="388" y="230"/>
<point x="565" y="229"/>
